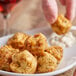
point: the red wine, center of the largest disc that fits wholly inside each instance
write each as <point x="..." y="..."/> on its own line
<point x="7" y="5"/>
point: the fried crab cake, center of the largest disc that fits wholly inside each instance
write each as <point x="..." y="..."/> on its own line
<point x="23" y="62"/>
<point x="17" y="41"/>
<point x="6" y="53"/>
<point x="62" y="25"/>
<point x="56" y="51"/>
<point x="36" y="44"/>
<point x="46" y="63"/>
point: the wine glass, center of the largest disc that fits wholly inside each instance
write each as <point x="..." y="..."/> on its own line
<point x="5" y="7"/>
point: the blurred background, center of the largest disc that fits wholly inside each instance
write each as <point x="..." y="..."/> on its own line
<point x="26" y="14"/>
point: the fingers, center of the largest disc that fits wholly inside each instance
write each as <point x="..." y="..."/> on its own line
<point x="70" y="9"/>
<point x="50" y="10"/>
<point x="62" y="2"/>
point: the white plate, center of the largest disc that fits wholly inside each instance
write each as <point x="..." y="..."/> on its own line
<point x="68" y="62"/>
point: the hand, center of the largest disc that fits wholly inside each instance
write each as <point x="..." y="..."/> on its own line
<point x="51" y="10"/>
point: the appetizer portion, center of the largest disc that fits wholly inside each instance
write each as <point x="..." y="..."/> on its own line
<point x="46" y="63"/>
<point x="56" y="51"/>
<point x="62" y="25"/>
<point x="23" y="62"/>
<point x="36" y="44"/>
<point x="29" y="54"/>
<point x="18" y="40"/>
<point x="6" y="53"/>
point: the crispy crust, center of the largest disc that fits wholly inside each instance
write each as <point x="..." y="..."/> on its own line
<point x="46" y="63"/>
<point x="17" y="41"/>
<point x="36" y="44"/>
<point x="23" y="62"/>
<point x="62" y="25"/>
<point x="6" y="53"/>
<point x="56" y="51"/>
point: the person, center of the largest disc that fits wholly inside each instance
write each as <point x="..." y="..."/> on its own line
<point x="51" y="10"/>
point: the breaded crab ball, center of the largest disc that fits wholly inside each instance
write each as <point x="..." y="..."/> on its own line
<point x="56" y="51"/>
<point x="46" y="63"/>
<point x="23" y="62"/>
<point x="6" y="53"/>
<point x="36" y="44"/>
<point x="17" y="41"/>
<point x="62" y="25"/>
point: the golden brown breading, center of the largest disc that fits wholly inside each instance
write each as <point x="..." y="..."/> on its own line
<point x="6" y="53"/>
<point x="56" y="51"/>
<point x="62" y="25"/>
<point x="36" y="44"/>
<point x="23" y="62"/>
<point x="17" y="41"/>
<point x="46" y="63"/>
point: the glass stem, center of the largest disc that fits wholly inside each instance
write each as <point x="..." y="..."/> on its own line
<point x="6" y="26"/>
